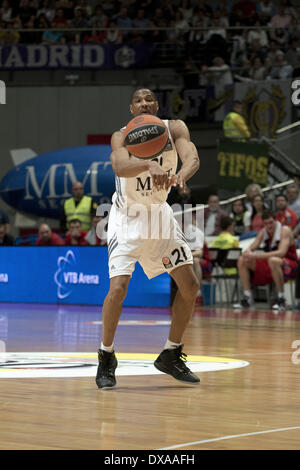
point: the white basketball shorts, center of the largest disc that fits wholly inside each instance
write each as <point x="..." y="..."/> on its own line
<point x="153" y="238"/>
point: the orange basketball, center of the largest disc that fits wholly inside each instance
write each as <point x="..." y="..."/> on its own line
<point x="145" y="136"/>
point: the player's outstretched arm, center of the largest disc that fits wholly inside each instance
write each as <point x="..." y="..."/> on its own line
<point x="122" y="164"/>
<point x="185" y="149"/>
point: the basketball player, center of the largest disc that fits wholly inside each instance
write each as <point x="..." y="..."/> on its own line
<point x="147" y="182"/>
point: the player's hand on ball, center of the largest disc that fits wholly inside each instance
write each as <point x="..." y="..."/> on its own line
<point x="160" y="178"/>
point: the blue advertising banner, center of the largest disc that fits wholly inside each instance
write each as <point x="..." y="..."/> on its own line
<point x="71" y="275"/>
<point x="78" y="56"/>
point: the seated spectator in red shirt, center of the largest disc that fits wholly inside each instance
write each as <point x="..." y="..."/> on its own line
<point x="59" y="19"/>
<point x="5" y="239"/>
<point x="47" y="237"/>
<point x="75" y="235"/>
<point x="284" y="215"/>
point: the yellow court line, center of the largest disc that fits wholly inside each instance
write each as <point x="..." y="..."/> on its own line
<point x="147" y="357"/>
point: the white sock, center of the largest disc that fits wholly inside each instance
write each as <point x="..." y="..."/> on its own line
<point x="107" y="348"/>
<point x="170" y="345"/>
<point x="248" y="293"/>
<point x="281" y="295"/>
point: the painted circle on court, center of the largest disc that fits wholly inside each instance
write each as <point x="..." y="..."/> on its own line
<point x="63" y="365"/>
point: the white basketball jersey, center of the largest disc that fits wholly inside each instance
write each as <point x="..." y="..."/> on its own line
<point x="139" y="189"/>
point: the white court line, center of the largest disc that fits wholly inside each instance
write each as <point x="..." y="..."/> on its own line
<point x="177" y="446"/>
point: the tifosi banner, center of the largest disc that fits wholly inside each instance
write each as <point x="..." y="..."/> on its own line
<point x="85" y="56"/>
<point x="240" y="164"/>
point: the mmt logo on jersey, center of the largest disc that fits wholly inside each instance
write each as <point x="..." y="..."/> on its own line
<point x="67" y="276"/>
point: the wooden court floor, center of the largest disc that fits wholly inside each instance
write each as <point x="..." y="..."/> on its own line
<point x="254" y="403"/>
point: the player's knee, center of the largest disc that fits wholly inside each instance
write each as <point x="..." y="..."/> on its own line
<point x="274" y="262"/>
<point x="190" y="289"/>
<point x="118" y="293"/>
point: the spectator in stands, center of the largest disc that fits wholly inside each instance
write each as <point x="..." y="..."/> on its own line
<point x="251" y="191"/>
<point x="276" y="263"/>
<point x="281" y="36"/>
<point x="253" y="220"/>
<point x="258" y="70"/>
<point x="67" y="6"/>
<point x="238" y="55"/>
<point x="51" y="36"/>
<point x="234" y="124"/>
<point x="47" y="237"/>
<point x="248" y="9"/>
<point x="199" y="21"/>
<point x="226" y="239"/>
<point x="293" y="197"/>
<point x="265" y="10"/>
<point x="4" y="220"/>
<point x="205" y="6"/>
<point x="281" y="69"/>
<point x="9" y="36"/>
<point x="109" y="7"/>
<point x="113" y="35"/>
<point x="238" y="212"/>
<point x="47" y="10"/>
<point x="201" y="259"/>
<point x="216" y="29"/>
<point x="5" y="238"/>
<point x="79" y="21"/>
<point x="258" y="34"/>
<point x="280" y="19"/>
<point x="140" y="21"/>
<point x="294" y="28"/>
<point x="6" y="12"/>
<point x="181" y="27"/>
<point x="273" y="51"/>
<point x="80" y="207"/>
<point x="212" y="216"/>
<point x="255" y="50"/>
<point x="76" y="236"/>
<point x="186" y="8"/>
<point x="92" y="237"/>
<point x="292" y="55"/>
<point x="25" y="11"/>
<point x="284" y="215"/>
<point x="218" y="74"/>
<point x="297" y="180"/>
<point x="99" y="19"/>
<point x="60" y="21"/>
<point x="123" y="20"/>
<point x="86" y="9"/>
<point x="244" y="72"/>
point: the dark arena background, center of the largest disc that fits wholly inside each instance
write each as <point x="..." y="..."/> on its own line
<point x="231" y="71"/>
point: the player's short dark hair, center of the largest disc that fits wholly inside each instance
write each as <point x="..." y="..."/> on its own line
<point x="281" y="195"/>
<point x="267" y="214"/>
<point x="75" y="221"/>
<point x="225" y="222"/>
<point x="143" y="88"/>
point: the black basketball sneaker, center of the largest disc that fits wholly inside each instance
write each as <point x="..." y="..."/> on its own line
<point x="106" y="369"/>
<point x="172" y="362"/>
